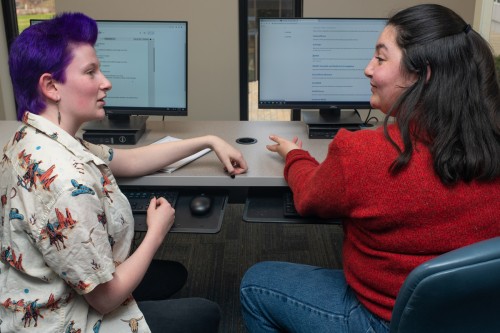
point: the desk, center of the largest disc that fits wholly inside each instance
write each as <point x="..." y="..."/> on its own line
<point x="206" y="173"/>
<point x="264" y="168"/>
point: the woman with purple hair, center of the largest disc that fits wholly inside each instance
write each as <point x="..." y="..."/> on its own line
<point x="66" y="228"/>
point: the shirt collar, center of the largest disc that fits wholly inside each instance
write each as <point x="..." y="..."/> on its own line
<point x="74" y="145"/>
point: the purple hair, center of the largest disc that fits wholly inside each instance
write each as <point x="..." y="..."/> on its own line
<point x="45" y="47"/>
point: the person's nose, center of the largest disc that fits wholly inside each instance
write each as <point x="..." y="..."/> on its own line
<point x="106" y="84"/>
<point x="369" y="69"/>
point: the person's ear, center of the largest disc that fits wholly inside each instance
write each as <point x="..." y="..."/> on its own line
<point x="48" y="87"/>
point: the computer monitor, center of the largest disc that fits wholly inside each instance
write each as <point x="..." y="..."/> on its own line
<point x="146" y="62"/>
<point x="316" y="63"/>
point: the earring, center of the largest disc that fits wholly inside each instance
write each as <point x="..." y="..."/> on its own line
<point x="58" y="112"/>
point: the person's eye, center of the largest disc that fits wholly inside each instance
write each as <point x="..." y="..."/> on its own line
<point x="379" y="59"/>
<point x="91" y="72"/>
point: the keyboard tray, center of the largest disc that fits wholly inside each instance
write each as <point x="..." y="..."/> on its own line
<point x="186" y="222"/>
<point x="265" y="205"/>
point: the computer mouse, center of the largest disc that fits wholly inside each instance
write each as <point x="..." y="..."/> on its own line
<point x="200" y="205"/>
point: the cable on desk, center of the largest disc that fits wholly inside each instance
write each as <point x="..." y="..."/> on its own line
<point x="366" y="123"/>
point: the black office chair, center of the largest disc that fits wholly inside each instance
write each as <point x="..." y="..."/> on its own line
<point x="457" y="292"/>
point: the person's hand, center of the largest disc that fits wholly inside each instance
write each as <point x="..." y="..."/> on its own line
<point x="231" y="158"/>
<point x="160" y="217"/>
<point x="283" y="146"/>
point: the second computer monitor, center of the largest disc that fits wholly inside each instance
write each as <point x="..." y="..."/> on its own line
<point x="316" y="63"/>
<point x="146" y="61"/>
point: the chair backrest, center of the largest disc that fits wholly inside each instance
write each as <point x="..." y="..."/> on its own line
<point x="456" y="292"/>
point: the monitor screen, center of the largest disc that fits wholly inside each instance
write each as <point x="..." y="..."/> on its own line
<point x="316" y="63"/>
<point x="147" y="64"/>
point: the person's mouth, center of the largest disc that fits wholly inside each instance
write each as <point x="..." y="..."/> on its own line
<point x="102" y="101"/>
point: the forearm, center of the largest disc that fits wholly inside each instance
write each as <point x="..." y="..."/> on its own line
<point x="108" y="296"/>
<point x="145" y="160"/>
<point x="319" y="189"/>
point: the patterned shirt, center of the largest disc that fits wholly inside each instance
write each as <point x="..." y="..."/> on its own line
<point x="65" y="227"/>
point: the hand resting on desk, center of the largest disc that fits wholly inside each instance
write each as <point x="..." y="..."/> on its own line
<point x="231" y="158"/>
<point x="283" y="146"/>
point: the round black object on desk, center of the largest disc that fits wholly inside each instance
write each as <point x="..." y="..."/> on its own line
<point x="246" y="141"/>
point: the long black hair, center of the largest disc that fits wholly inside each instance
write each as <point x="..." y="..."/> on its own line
<point x="454" y="106"/>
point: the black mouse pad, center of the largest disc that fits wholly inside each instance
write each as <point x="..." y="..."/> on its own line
<point x="186" y="222"/>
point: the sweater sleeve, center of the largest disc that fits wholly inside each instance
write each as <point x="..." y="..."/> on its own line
<point x="319" y="188"/>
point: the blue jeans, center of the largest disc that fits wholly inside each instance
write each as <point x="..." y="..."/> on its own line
<point x="287" y="297"/>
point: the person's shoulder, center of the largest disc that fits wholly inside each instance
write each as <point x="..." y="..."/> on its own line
<point x="46" y="149"/>
<point x="103" y="152"/>
<point x="50" y="163"/>
<point x="17" y="138"/>
<point x="360" y="139"/>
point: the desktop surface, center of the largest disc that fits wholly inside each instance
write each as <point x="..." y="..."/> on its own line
<point x="264" y="167"/>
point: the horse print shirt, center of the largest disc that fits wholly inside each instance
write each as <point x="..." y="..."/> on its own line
<point x="65" y="226"/>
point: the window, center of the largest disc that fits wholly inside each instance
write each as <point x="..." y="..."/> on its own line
<point x="250" y="12"/>
<point x="18" y="13"/>
<point x="495" y="28"/>
<point x="33" y="9"/>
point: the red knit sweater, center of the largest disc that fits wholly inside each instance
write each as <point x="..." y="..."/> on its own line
<point x="391" y="223"/>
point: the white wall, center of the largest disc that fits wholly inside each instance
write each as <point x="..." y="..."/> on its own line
<point x="370" y="8"/>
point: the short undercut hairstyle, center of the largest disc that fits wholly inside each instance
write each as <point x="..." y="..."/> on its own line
<point x="46" y="47"/>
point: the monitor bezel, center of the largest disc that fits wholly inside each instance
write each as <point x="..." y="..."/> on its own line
<point x="334" y="106"/>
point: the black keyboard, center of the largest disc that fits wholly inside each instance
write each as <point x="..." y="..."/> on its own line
<point x="139" y="198"/>
<point x="288" y="205"/>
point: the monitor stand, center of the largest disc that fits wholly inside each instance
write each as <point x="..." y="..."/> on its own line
<point x="115" y="130"/>
<point x="325" y="123"/>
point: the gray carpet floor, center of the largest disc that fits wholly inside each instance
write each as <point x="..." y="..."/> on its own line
<point x="217" y="262"/>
